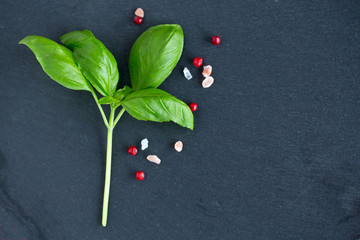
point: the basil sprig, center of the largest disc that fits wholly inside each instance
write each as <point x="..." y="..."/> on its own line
<point x="84" y="63"/>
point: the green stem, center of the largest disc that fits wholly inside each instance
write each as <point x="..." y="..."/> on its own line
<point x="108" y="168"/>
<point x="100" y="108"/>
<point x="119" y="116"/>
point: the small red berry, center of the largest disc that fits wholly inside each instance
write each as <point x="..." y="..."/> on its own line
<point x="132" y="150"/>
<point x="197" y="62"/>
<point x="140" y="175"/>
<point x="193" y="106"/>
<point x="138" y="20"/>
<point x="215" y="40"/>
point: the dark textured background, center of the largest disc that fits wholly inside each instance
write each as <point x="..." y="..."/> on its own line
<point x="275" y="150"/>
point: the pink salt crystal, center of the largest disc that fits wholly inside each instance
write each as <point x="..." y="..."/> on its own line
<point x="207" y="71"/>
<point x="208" y="81"/>
<point x="154" y="159"/>
<point x="139" y="12"/>
<point x="178" y="146"/>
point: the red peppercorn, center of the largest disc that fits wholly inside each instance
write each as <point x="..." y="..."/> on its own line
<point x="215" y="40"/>
<point x="138" y="20"/>
<point x="140" y="175"/>
<point x="193" y="106"/>
<point x="197" y="62"/>
<point x="132" y="150"/>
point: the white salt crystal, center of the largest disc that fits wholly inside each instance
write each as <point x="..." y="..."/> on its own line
<point x="187" y="73"/>
<point x="178" y="146"/>
<point x="207" y="71"/>
<point x="144" y="144"/>
<point x="208" y="81"/>
<point x="154" y="159"/>
<point x="139" y="12"/>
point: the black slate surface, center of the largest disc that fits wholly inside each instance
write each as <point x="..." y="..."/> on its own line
<point x="275" y="150"/>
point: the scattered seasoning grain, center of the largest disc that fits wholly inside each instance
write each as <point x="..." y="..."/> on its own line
<point x="139" y="12"/>
<point x="187" y="73"/>
<point x="178" y="146"/>
<point x="207" y="71"/>
<point x="193" y="106"/>
<point x="138" y="20"/>
<point x="215" y="40"/>
<point x="140" y="175"/>
<point x="208" y="81"/>
<point x="197" y="62"/>
<point x="154" y="159"/>
<point x="144" y="144"/>
<point x="132" y="150"/>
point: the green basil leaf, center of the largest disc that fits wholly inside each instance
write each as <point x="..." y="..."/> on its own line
<point x="154" y="55"/>
<point x="159" y="106"/>
<point x="94" y="60"/>
<point x="122" y="93"/>
<point x="57" y="61"/>
<point x="108" y="100"/>
<point x="118" y="96"/>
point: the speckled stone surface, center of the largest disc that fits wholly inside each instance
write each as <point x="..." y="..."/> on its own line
<point x="274" y="153"/>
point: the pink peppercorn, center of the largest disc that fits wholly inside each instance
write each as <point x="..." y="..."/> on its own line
<point x="132" y="150"/>
<point x="197" y="62"/>
<point x="193" y="106"/>
<point x="138" y="20"/>
<point x="140" y="175"/>
<point x="215" y="40"/>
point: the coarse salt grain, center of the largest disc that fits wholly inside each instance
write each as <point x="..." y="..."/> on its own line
<point x="187" y="73"/>
<point x="139" y="12"/>
<point x="154" y="159"/>
<point x="208" y="81"/>
<point x="207" y="71"/>
<point x="178" y="146"/>
<point x="144" y="144"/>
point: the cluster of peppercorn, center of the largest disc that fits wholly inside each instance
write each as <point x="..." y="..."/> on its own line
<point x="140" y="175"/>
<point x="139" y="15"/>
<point x="208" y="81"/>
<point x="197" y="61"/>
<point x="132" y="150"/>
